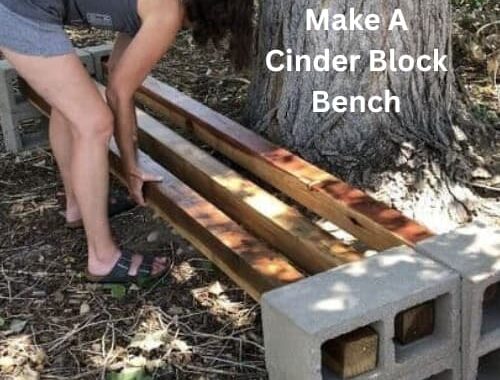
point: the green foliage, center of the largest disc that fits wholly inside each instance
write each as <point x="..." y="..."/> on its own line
<point x="145" y="282"/>
<point x="118" y="291"/>
<point x="485" y="114"/>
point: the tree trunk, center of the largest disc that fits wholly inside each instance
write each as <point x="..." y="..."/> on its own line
<point x="419" y="152"/>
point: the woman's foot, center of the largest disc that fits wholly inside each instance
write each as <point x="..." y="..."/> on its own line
<point x="124" y="267"/>
<point x="116" y="206"/>
<point x="72" y="214"/>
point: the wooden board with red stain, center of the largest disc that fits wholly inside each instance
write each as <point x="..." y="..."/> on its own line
<point x="371" y="221"/>
<point x="280" y="225"/>
<point x="249" y="262"/>
<point x="267" y="217"/>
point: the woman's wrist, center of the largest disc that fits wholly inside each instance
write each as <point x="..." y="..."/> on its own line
<point x="131" y="168"/>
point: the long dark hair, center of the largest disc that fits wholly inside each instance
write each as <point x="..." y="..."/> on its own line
<point x="215" y="19"/>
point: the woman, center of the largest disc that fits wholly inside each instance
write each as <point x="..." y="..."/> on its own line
<point x="82" y="123"/>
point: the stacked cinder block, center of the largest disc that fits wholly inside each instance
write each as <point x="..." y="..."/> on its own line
<point x="336" y="310"/>
<point x="474" y="252"/>
<point x="87" y="60"/>
<point x="99" y="54"/>
<point x="15" y="110"/>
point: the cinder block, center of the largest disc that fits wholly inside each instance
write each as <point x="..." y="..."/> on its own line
<point x="87" y="60"/>
<point x="11" y="100"/>
<point x="14" y="109"/>
<point x="300" y="318"/>
<point x="99" y="54"/>
<point x="474" y="252"/>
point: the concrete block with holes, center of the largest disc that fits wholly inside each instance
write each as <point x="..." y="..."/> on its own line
<point x="16" y="111"/>
<point x="99" y="54"/>
<point x="474" y="252"/>
<point x="87" y="60"/>
<point x="301" y="321"/>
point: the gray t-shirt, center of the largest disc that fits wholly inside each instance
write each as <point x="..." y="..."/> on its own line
<point x="116" y="15"/>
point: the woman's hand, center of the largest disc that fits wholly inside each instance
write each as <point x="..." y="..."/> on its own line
<point x="136" y="178"/>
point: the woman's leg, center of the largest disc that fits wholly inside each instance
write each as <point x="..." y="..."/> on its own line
<point x="66" y="86"/>
<point x="61" y="141"/>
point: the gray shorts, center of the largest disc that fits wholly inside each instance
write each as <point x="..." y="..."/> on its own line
<point x="25" y="36"/>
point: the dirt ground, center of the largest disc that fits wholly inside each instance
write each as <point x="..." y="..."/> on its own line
<point x="193" y="324"/>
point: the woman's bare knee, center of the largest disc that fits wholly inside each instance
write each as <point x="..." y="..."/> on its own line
<point x="66" y="85"/>
<point x="97" y="126"/>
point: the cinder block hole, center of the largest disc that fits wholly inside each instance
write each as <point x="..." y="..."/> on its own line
<point x="86" y="64"/>
<point x="489" y="366"/>
<point x="491" y="309"/>
<point x="350" y="355"/>
<point x="445" y="375"/>
<point x="31" y="126"/>
<point x="37" y="138"/>
<point x="422" y="327"/>
<point x="16" y="87"/>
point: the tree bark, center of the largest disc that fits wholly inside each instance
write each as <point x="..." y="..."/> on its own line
<point x="422" y="146"/>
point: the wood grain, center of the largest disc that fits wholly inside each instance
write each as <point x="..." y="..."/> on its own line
<point x="352" y="354"/>
<point x="250" y="263"/>
<point x="415" y="324"/>
<point x="282" y="226"/>
<point x="371" y="221"/>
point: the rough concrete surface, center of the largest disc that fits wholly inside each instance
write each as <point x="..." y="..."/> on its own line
<point x="300" y="317"/>
<point x="474" y="252"/>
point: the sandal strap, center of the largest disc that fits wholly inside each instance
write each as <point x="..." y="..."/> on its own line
<point x="127" y="255"/>
<point x="146" y="266"/>
<point x="121" y="268"/>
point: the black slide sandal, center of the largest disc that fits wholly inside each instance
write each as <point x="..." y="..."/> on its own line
<point x="119" y="273"/>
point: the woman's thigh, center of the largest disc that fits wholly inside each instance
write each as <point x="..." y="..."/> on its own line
<point x="64" y="83"/>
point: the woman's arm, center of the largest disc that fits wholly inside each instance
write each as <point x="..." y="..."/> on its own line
<point x="121" y="44"/>
<point x="161" y="20"/>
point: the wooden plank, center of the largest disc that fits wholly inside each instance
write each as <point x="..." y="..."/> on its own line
<point x="371" y="221"/>
<point x="415" y="324"/>
<point x="282" y="226"/>
<point x="352" y="354"/>
<point x="250" y="263"/>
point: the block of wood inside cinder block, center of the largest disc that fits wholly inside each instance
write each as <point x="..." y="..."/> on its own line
<point x="352" y="354"/>
<point x="415" y="323"/>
